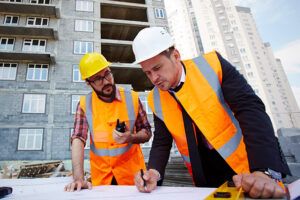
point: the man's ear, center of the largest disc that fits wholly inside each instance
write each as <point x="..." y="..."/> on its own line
<point x="177" y="55"/>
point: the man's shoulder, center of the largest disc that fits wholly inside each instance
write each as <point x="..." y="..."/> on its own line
<point x="124" y="90"/>
<point x="213" y="52"/>
<point x="212" y="55"/>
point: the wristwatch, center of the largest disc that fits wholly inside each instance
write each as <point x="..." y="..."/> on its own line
<point x="272" y="174"/>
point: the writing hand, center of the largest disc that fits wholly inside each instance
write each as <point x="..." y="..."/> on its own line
<point x="151" y="177"/>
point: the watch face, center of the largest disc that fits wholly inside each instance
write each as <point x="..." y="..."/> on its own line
<point x="273" y="174"/>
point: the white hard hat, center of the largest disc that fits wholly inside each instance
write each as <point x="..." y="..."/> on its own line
<point x="150" y="42"/>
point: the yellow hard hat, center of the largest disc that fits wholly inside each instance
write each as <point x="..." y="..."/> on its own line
<point x="91" y="63"/>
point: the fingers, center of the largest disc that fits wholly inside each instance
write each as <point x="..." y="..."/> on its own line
<point x="151" y="182"/>
<point x="70" y="187"/>
<point x="122" y="138"/>
<point x="268" y="191"/>
<point x="256" y="188"/>
<point x="139" y="182"/>
<point x="117" y="137"/>
<point x="78" y="185"/>
<point x="150" y="187"/>
<point x="279" y="192"/>
<point x="259" y="186"/>
<point x="89" y="185"/>
<point x="237" y="179"/>
<point x="247" y="182"/>
<point x="117" y="133"/>
<point x="66" y="189"/>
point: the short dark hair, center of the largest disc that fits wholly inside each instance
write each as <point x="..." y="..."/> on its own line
<point x="168" y="52"/>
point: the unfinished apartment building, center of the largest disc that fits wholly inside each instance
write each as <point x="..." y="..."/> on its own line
<point x="42" y="42"/>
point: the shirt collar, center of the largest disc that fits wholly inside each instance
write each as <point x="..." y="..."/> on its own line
<point x="181" y="81"/>
<point x="182" y="78"/>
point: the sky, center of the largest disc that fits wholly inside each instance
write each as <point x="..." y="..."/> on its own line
<point x="278" y="22"/>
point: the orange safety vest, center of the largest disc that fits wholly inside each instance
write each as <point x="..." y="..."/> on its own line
<point x="201" y="96"/>
<point x="109" y="159"/>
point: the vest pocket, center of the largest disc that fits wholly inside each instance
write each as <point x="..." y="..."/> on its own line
<point x="101" y="137"/>
<point x="129" y="123"/>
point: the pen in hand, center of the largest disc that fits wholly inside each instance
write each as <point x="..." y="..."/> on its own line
<point x="142" y="176"/>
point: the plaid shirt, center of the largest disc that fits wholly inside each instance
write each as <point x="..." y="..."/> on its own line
<point x="81" y="124"/>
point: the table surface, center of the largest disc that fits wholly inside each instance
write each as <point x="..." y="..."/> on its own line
<point x="53" y="188"/>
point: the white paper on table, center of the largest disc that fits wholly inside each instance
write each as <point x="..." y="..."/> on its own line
<point x="53" y="188"/>
<point x="294" y="189"/>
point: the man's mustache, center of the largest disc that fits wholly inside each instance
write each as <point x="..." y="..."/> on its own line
<point x="107" y="86"/>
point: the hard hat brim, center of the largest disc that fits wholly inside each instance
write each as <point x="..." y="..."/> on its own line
<point x="150" y="56"/>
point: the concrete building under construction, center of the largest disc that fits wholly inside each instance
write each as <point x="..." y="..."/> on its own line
<point x="42" y="42"/>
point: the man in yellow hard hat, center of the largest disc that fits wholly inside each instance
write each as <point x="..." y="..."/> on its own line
<point x="115" y="156"/>
<point x="217" y="121"/>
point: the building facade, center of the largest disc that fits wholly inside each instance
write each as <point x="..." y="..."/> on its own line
<point x="265" y="73"/>
<point x="42" y="42"/>
<point x="186" y="36"/>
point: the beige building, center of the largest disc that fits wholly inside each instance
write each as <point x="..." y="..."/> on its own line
<point x="232" y="31"/>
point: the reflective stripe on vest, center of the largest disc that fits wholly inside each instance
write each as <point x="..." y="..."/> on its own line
<point x="227" y="149"/>
<point x="157" y="104"/>
<point x="110" y="152"/>
<point x="89" y="117"/>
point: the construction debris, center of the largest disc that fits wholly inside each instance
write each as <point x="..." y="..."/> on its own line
<point x="39" y="170"/>
<point x="34" y="170"/>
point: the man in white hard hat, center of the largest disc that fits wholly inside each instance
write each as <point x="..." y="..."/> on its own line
<point x="218" y="123"/>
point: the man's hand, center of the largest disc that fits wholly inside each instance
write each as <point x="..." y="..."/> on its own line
<point x="258" y="185"/>
<point x="78" y="185"/>
<point x="151" y="177"/>
<point x="122" y="138"/>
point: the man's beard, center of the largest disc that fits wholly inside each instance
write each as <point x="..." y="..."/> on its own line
<point x="109" y="97"/>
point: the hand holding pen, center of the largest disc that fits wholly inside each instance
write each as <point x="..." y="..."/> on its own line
<point x="146" y="180"/>
<point x="142" y="176"/>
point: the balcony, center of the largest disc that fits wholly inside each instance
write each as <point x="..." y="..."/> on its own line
<point x="117" y="51"/>
<point x="30" y="9"/>
<point x="120" y="30"/>
<point x="121" y="20"/>
<point x="29" y="57"/>
<point x="131" y="74"/>
<point x="33" y="32"/>
<point x="124" y="12"/>
<point x="132" y="1"/>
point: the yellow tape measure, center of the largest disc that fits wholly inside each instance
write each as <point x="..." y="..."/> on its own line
<point x="226" y="191"/>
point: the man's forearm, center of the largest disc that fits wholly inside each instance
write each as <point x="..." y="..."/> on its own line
<point x="77" y="159"/>
<point x="141" y="137"/>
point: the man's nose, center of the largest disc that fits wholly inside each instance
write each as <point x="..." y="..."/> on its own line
<point x="104" y="81"/>
<point x="155" y="77"/>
